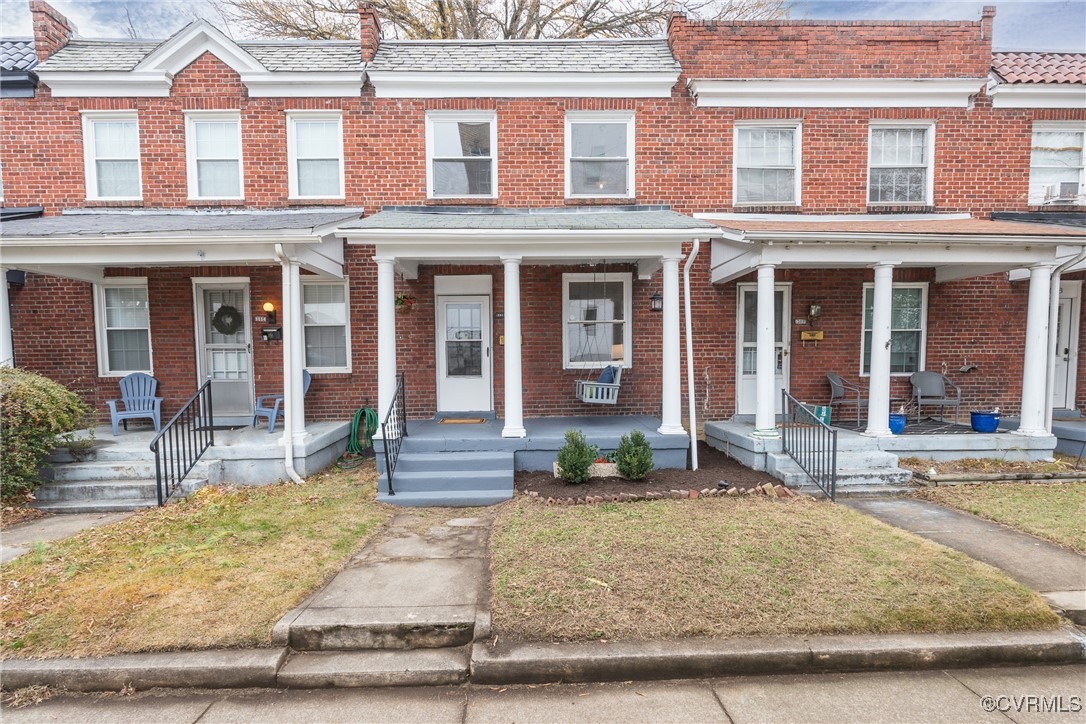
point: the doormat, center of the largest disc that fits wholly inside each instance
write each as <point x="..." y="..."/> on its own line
<point x="461" y="420"/>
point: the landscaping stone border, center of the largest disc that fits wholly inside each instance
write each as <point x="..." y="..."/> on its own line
<point x="768" y="490"/>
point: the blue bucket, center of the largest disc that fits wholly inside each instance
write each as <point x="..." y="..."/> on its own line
<point x="984" y="421"/>
<point x="897" y="423"/>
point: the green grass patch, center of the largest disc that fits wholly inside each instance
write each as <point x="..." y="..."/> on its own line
<point x="216" y="570"/>
<point x="735" y="567"/>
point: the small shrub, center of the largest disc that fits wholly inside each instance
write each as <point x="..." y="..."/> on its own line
<point x="575" y="457"/>
<point x="36" y="416"/>
<point x="633" y="456"/>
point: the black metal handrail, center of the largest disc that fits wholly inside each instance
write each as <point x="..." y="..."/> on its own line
<point x="184" y="439"/>
<point x="394" y="430"/>
<point x="810" y="442"/>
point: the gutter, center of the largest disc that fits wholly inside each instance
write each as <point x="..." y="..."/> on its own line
<point x="690" y="356"/>
<point x="1053" y="311"/>
<point x="288" y="372"/>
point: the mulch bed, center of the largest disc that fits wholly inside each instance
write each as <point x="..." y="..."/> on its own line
<point x="16" y="512"/>
<point x="713" y="467"/>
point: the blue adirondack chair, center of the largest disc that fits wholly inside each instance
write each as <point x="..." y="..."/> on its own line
<point x="139" y="401"/>
<point x="272" y="406"/>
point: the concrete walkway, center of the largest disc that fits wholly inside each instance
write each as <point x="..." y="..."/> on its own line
<point x="1057" y="573"/>
<point x="1030" y="694"/>
<point x="19" y="539"/>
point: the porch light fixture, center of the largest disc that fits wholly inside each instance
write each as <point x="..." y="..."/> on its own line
<point x="269" y="309"/>
<point x="815" y="311"/>
<point x="656" y="302"/>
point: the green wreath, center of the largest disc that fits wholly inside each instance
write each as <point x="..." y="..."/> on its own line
<point x="227" y="320"/>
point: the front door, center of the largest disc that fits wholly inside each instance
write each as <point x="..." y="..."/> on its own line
<point x="463" y="354"/>
<point x="1067" y="322"/>
<point x="224" y="349"/>
<point x="746" y="387"/>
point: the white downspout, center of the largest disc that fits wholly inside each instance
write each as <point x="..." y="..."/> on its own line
<point x="690" y="356"/>
<point x="288" y="368"/>
<point x="1053" y="312"/>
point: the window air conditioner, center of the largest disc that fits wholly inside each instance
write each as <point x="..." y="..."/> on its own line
<point x="1065" y="192"/>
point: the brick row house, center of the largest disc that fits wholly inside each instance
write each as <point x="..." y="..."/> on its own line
<point x="476" y="229"/>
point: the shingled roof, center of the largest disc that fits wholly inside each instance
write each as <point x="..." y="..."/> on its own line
<point x="1040" y="67"/>
<point x="17" y="54"/>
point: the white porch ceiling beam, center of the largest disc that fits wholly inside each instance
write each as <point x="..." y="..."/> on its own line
<point x="21" y="257"/>
<point x="647" y="267"/>
<point x="735" y="267"/>
<point x="68" y="271"/>
<point x="967" y="271"/>
<point x="490" y="250"/>
<point x="313" y="261"/>
<point x="409" y="269"/>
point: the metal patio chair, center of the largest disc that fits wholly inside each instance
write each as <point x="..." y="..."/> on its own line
<point x="930" y="388"/>
<point x="138" y="401"/>
<point x="843" y="392"/>
<point x="272" y="406"/>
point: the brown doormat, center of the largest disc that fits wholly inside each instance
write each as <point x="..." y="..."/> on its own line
<point x="461" y="420"/>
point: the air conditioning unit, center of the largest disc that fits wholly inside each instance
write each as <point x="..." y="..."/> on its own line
<point x="1065" y="192"/>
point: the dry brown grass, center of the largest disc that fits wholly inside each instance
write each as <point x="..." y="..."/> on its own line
<point x="735" y="567"/>
<point x="1061" y="464"/>
<point x="217" y="570"/>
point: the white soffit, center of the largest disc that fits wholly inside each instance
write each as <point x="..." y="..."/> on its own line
<point x="1038" y="95"/>
<point x="412" y="84"/>
<point x="837" y="93"/>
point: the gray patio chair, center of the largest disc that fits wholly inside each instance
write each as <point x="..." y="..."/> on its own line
<point x="930" y="388"/>
<point x="138" y="400"/>
<point x="273" y="406"/>
<point x="843" y="392"/>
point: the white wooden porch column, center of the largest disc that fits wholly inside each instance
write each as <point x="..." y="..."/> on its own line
<point x="671" y="382"/>
<point x="295" y="347"/>
<point x="878" y="396"/>
<point x="386" y="335"/>
<point x="1035" y="365"/>
<point x="514" y="392"/>
<point x="765" y="404"/>
<point x="7" y="353"/>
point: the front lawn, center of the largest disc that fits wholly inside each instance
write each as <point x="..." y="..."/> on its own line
<point x="217" y="570"/>
<point x="1053" y="511"/>
<point x="743" y="566"/>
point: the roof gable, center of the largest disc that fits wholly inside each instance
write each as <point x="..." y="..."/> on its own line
<point x="192" y="41"/>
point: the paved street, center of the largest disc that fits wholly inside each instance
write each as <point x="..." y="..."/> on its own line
<point x="1018" y="694"/>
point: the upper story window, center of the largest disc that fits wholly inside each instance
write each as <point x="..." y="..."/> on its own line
<point x="461" y="154"/>
<point x="900" y="168"/>
<point x="214" y="154"/>
<point x="767" y="164"/>
<point x="123" y="325"/>
<point x="111" y="155"/>
<point x="315" y="150"/>
<point x="599" y="154"/>
<point x="1056" y="164"/>
<point x="597" y="320"/>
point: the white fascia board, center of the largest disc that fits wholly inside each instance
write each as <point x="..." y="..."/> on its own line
<point x="1038" y="95"/>
<point x="115" y="84"/>
<point x="178" y="254"/>
<point x="535" y="249"/>
<point x="303" y="84"/>
<point x="498" y="237"/>
<point x="146" y="239"/>
<point x="190" y="43"/>
<point x="715" y="216"/>
<point x="905" y="238"/>
<point x="404" y="84"/>
<point x="837" y="93"/>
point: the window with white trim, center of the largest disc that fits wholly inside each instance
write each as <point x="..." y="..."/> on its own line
<point x="908" y="328"/>
<point x="900" y="169"/>
<point x="597" y="310"/>
<point x="1057" y="164"/>
<point x="326" y="326"/>
<point x="111" y="155"/>
<point x="214" y="155"/>
<point x="599" y="154"/>
<point x="315" y="151"/>
<point x="767" y="164"/>
<point x="461" y="154"/>
<point x="122" y="320"/>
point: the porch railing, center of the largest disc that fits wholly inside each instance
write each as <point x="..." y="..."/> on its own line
<point x="394" y="430"/>
<point x="182" y="441"/>
<point x="811" y="443"/>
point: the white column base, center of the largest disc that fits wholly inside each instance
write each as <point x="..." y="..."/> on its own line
<point x="769" y="432"/>
<point x="869" y="432"/>
<point x="671" y="430"/>
<point x="514" y="432"/>
<point x="1031" y="432"/>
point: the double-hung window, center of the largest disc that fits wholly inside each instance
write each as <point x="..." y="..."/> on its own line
<point x="1056" y="164"/>
<point x="325" y="318"/>
<point x="461" y="154"/>
<point x="123" y="326"/>
<point x="111" y="155"/>
<point x="315" y="144"/>
<point x="900" y="165"/>
<point x="599" y="154"/>
<point x="597" y="310"/>
<point x="214" y="155"/>
<point x="767" y="164"/>
<point x="908" y="328"/>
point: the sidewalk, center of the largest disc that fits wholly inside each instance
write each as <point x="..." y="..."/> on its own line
<point x="19" y="539"/>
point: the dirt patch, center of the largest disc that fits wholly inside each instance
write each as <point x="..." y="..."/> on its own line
<point x="16" y="512"/>
<point x="713" y="467"/>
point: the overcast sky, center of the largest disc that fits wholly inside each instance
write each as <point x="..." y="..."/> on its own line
<point x="1020" y="24"/>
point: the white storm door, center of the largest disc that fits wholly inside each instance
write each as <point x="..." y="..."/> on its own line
<point x="463" y="354"/>
<point x="1067" y="324"/>
<point x="224" y="350"/>
<point x="747" y="352"/>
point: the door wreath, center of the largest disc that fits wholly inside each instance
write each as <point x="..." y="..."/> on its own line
<point x="227" y="320"/>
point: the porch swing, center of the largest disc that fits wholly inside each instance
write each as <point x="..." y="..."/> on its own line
<point x="602" y="390"/>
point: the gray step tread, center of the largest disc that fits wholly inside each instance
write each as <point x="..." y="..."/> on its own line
<point x="111" y="470"/>
<point x="419" y="667"/>
<point x="96" y="506"/>
<point x="454" y="461"/>
<point x="437" y="481"/>
<point x="96" y="490"/>
<point x="449" y="498"/>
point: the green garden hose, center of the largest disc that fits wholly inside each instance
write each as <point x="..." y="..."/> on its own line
<point x="363" y="428"/>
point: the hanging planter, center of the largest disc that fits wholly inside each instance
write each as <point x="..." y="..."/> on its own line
<point x="227" y="320"/>
<point x="405" y="303"/>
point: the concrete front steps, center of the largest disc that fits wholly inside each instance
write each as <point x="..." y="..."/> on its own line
<point x="859" y="472"/>
<point x="447" y="478"/>
<point x="109" y="485"/>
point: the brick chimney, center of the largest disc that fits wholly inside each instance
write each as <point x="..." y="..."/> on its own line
<point x="52" y="31"/>
<point x="370" y="31"/>
<point x="987" y="21"/>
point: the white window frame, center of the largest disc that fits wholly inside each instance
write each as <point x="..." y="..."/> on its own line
<point x="929" y="161"/>
<point x="90" y="169"/>
<point x="292" y="150"/>
<point x="490" y="117"/>
<point x="100" y="329"/>
<point x="191" y="118"/>
<point x="923" y="287"/>
<point x="797" y="160"/>
<point x="1058" y="126"/>
<point x="627" y="117"/>
<point x="627" y="329"/>
<point x="345" y="283"/>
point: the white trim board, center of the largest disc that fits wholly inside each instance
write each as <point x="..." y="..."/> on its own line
<point x="410" y="84"/>
<point x="836" y="92"/>
<point x="1038" y="95"/>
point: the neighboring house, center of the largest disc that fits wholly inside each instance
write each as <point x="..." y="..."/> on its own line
<point x="17" y="63"/>
<point x="539" y="201"/>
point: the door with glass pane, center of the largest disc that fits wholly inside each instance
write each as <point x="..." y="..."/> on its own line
<point x="463" y="354"/>
<point x="1067" y="345"/>
<point x="746" y="386"/>
<point x="224" y="350"/>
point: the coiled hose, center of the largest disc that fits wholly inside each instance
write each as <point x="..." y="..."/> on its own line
<point x="363" y="428"/>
